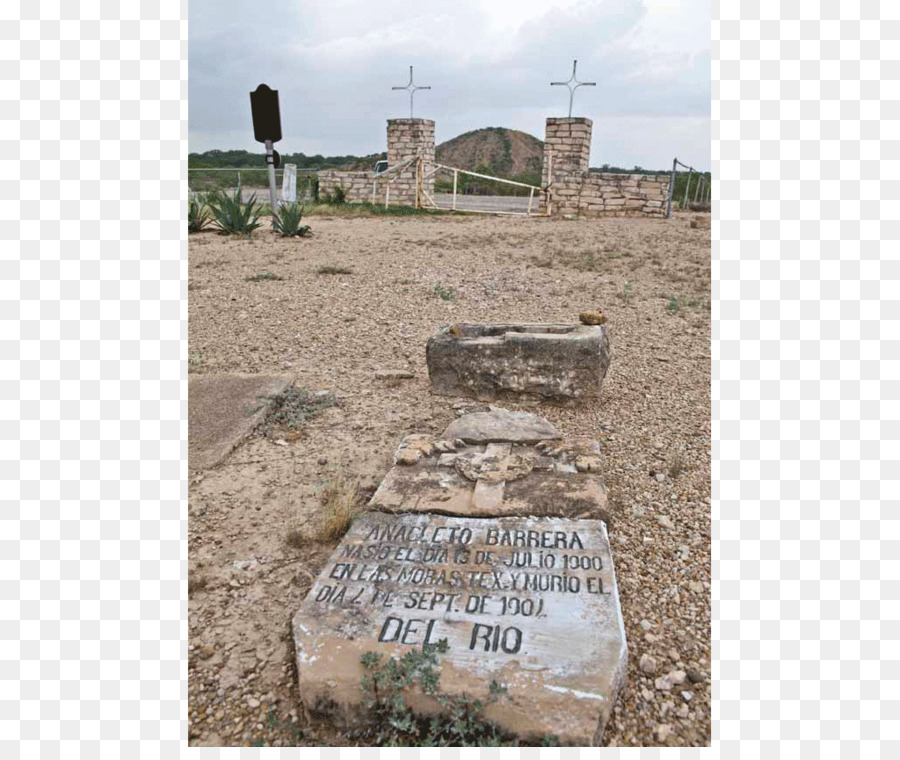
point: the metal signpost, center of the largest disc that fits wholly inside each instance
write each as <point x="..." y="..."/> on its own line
<point x="572" y="89"/>
<point x="412" y="90"/>
<point x="267" y="129"/>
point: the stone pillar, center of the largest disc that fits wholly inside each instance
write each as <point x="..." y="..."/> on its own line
<point x="406" y="139"/>
<point x="567" y="156"/>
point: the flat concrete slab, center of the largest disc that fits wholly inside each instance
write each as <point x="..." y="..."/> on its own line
<point x="223" y="410"/>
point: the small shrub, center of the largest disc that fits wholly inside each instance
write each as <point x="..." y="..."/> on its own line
<point x="338" y="197"/>
<point x="196" y="583"/>
<point x="231" y="215"/>
<point x="625" y="293"/>
<point x="263" y="276"/>
<point x="462" y="723"/>
<point x="287" y="221"/>
<point x="445" y="292"/>
<point x="673" y="305"/>
<point x="295" y="539"/>
<point x="588" y="260"/>
<point x="291" y="408"/>
<point x="198" y="214"/>
<point x="333" y="270"/>
<point x="676" y="466"/>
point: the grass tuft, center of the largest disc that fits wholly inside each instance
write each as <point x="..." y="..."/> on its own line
<point x="444" y="292"/>
<point x="262" y="276"/>
<point x="333" y="270"/>
<point x="340" y="502"/>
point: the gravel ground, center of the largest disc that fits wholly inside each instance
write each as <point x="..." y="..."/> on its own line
<point x="410" y="275"/>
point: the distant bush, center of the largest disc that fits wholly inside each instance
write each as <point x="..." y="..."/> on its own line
<point x="336" y="198"/>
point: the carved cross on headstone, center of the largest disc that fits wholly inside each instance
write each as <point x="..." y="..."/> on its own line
<point x="412" y="90"/>
<point x="572" y="89"/>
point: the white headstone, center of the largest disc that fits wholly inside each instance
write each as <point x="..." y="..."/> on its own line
<point x="529" y="602"/>
<point x="289" y="184"/>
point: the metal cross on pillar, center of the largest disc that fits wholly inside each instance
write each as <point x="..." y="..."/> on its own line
<point x="572" y="89"/>
<point x="412" y="90"/>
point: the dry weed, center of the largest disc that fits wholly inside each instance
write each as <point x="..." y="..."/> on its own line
<point x="676" y="466"/>
<point x="340" y="501"/>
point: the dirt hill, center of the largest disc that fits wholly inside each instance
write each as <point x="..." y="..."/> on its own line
<point x="502" y="152"/>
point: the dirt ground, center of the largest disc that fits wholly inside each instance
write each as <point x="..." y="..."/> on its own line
<point x="333" y="331"/>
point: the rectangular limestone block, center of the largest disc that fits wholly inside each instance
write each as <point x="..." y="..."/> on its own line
<point x="529" y="603"/>
<point x="563" y="362"/>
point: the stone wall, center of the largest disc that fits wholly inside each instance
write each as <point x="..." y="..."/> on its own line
<point x="576" y="190"/>
<point x="406" y="139"/>
<point x="603" y="194"/>
<point x="357" y="185"/>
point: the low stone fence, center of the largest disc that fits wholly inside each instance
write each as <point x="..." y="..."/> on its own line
<point x="357" y="185"/>
<point x="605" y="194"/>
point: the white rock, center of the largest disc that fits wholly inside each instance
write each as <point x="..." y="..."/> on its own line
<point x="647" y="664"/>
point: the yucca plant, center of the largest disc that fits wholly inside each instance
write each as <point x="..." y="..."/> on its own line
<point x="232" y="215"/>
<point x="287" y="221"/>
<point x="198" y="214"/>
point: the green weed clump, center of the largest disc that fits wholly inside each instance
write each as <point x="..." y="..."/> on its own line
<point x="264" y="276"/>
<point x="445" y="292"/>
<point x="287" y="221"/>
<point x="292" y="407"/>
<point x="328" y="269"/>
<point x="231" y="215"/>
<point x="461" y="725"/>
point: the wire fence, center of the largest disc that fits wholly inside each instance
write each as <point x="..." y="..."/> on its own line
<point x="250" y="179"/>
<point x="689" y="190"/>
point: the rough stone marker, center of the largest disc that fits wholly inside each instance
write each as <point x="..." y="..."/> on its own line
<point x="529" y="602"/>
<point x="565" y="362"/>
<point x="449" y="476"/>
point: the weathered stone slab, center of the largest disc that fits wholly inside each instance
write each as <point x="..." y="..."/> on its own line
<point x="223" y="410"/>
<point x="531" y="603"/>
<point x="492" y="361"/>
<point x="501" y="425"/>
<point x="446" y="476"/>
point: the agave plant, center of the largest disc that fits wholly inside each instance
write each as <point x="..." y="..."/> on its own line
<point x="287" y="221"/>
<point x="198" y="214"/>
<point x="232" y="215"/>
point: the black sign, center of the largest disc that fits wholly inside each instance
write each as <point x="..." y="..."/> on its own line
<point x="266" y="115"/>
<point x="276" y="158"/>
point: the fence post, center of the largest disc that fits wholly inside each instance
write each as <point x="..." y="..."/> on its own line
<point x="549" y="181"/>
<point x="455" y="175"/>
<point x="671" y="190"/>
<point x="700" y="182"/>
<point x="687" y="188"/>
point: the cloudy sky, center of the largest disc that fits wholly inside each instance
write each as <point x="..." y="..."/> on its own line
<point x="489" y="63"/>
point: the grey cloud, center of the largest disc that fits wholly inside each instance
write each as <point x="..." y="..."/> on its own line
<point x="334" y="79"/>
